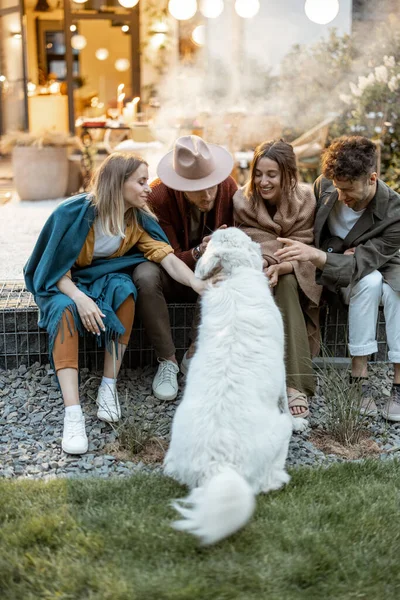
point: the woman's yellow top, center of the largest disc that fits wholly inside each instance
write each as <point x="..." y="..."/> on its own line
<point x="134" y="236"/>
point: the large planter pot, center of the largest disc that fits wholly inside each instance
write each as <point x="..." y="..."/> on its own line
<point x="40" y="173"/>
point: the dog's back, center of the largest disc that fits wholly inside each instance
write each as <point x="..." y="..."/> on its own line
<point x="234" y="383"/>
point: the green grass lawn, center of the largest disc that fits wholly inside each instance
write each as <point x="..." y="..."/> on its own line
<point x="330" y="534"/>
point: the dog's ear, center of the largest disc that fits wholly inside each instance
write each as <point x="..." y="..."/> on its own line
<point x="208" y="265"/>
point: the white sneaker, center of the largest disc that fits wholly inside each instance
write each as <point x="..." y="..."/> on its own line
<point x="185" y="364"/>
<point x="74" y="440"/>
<point x="165" y="383"/>
<point x="107" y="400"/>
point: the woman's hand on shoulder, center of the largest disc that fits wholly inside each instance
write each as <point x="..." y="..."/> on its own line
<point x="89" y="312"/>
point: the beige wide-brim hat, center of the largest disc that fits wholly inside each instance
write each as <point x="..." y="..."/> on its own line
<point x="194" y="165"/>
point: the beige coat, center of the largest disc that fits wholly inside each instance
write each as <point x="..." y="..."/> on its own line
<point x="293" y="219"/>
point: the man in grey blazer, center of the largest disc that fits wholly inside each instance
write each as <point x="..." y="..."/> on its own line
<point x="357" y="239"/>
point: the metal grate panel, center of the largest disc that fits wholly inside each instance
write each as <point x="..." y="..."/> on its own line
<point x="334" y="333"/>
<point x="22" y="342"/>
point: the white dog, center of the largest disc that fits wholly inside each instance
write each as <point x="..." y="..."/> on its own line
<point x="231" y="432"/>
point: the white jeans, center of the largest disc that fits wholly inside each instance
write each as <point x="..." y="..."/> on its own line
<point x="364" y="301"/>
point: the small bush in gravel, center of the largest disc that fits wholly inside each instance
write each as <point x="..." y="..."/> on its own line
<point x="343" y="399"/>
<point x="135" y="436"/>
<point x="138" y="435"/>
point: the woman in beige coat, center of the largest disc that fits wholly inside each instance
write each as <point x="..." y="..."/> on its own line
<point x="274" y="205"/>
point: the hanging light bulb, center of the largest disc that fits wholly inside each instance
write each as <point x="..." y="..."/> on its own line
<point x="78" y="42"/>
<point x="199" y="35"/>
<point x="211" y="9"/>
<point x="122" y="64"/>
<point x="79" y="1"/>
<point x="101" y="54"/>
<point x="125" y="28"/>
<point x="128" y="3"/>
<point x="182" y="10"/>
<point x="247" y="8"/>
<point x="321" y="12"/>
<point x="72" y="28"/>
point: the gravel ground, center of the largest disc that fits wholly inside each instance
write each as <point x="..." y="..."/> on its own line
<point x="31" y="420"/>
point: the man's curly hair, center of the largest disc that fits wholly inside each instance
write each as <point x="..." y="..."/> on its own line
<point x="350" y="158"/>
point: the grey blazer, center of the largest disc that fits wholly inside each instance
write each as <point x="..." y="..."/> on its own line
<point x="376" y="237"/>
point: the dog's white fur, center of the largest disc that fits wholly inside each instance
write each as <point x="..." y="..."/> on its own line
<point x="231" y="432"/>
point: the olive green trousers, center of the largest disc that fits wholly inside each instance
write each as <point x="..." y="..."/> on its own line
<point x="299" y="371"/>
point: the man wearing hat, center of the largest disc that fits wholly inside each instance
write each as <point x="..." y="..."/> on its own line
<point x="192" y="198"/>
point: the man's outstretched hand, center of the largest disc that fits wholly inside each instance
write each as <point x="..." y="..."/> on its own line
<point x="302" y="252"/>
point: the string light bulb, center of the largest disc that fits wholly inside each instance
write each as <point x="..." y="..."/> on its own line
<point x="247" y="8"/>
<point x="182" y="10"/>
<point x="128" y="3"/>
<point x="321" y="12"/>
<point x="211" y="9"/>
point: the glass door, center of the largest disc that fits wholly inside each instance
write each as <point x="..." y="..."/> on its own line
<point x="105" y="45"/>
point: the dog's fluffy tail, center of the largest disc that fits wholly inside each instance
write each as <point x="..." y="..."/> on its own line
<point x="217" y="510"/>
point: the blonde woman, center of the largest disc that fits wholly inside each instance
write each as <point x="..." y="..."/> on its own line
<point x="78" y="276"/>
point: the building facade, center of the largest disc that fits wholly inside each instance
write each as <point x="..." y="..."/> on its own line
<point x="61" y="60"/>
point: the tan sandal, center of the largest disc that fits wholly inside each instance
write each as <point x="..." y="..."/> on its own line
<point x="298" y="399"/>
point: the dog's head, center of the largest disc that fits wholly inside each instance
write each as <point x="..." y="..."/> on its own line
<point x="227" y="250"/>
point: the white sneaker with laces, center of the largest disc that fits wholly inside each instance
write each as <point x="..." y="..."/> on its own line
<point x="74" y="439"/>
<point x="107" y="400"/>
<point x="185" y="364"/>
<point x="165" y="383"/>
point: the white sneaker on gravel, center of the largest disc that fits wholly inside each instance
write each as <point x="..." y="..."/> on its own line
<point x="107" y="400"/>
<point x="74" y="440"/>
<point x="165" y="383"/>
<point x="185" y="364"/>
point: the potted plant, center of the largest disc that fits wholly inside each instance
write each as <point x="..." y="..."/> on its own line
<point x="40" y="163"/>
